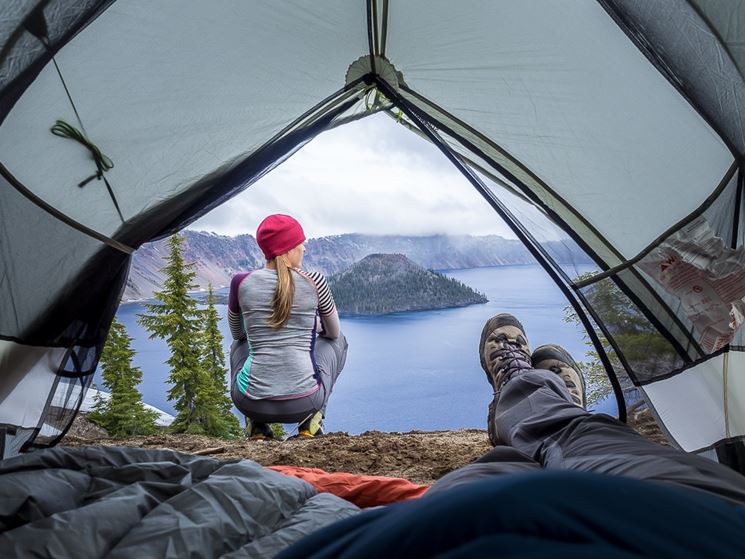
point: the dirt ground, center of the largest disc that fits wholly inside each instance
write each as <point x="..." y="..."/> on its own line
<point x="421" y="457"/>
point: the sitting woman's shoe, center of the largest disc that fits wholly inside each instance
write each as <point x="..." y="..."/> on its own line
<point x="258" y="431"/>
<point x="311" y="427"/>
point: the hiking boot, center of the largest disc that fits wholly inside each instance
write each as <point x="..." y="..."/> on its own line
<point x="258" y="431"/>
<point x="311" y="427"/>
<point x="503" y="351"/>
<point x="556" y="359"/>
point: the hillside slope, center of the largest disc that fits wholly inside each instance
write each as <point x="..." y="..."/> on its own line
<point x="218" y="257"/>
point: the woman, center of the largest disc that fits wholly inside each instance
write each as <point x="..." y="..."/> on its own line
<point x="287" y="349"/>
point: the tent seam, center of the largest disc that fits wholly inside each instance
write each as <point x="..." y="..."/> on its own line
<point x="692" y="364"/>
<point x="64" y="218"/>
<point x="674" y="340"/>
<point x="669" y="231"/>
<point x="533" y="247"/>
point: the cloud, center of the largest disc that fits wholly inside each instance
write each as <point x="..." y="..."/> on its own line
<point x="371" y="176"/>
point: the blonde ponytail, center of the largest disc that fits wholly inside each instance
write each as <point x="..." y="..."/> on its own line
<point x="283" y="295"/>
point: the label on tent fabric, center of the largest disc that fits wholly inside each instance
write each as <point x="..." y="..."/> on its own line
<point x="707" y="276"/>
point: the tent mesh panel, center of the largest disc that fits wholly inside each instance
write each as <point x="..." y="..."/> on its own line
<point x="64" y="404"/>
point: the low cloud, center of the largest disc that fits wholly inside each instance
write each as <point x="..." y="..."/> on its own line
<point x="372" y="176"/>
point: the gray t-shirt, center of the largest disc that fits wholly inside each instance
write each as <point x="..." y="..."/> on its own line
<point x="280" y="362"/>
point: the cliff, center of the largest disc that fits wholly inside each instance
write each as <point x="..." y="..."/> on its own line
<point x="387" y="283"/>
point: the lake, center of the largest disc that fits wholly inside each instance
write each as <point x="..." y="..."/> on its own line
<point x="413" y="370"/>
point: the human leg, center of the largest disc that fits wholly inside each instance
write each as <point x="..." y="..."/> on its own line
<point x="260" y="413"/>
<point x="534" y="412"/>
<point x="330" y="357"/>
<point x="499" y="460"/>
<point x="239" y="352"/>
<point x="536" y="416"/>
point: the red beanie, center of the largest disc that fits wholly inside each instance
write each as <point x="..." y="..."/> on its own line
<point x="279" y="234"/>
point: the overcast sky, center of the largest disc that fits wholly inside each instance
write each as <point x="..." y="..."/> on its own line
<point x="371" y="176"/>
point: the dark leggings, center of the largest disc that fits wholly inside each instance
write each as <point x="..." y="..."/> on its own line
<point x="330" y="356"/>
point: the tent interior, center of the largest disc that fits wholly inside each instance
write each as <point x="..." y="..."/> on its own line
<point x="618" y="121"/>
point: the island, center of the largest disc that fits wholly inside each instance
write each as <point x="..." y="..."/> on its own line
<point x="388" y="283"/>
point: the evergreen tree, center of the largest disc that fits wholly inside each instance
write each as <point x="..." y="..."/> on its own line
<point x="177" y="319"/>
<point x="643" y="347"/>
<point x="124" y="413"/>
<point x="213" y="362"/>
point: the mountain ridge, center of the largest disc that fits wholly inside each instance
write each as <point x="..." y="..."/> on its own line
<point x="218" y="257"/>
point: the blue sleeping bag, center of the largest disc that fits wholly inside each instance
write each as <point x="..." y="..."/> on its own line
<point x="545" y="514"/>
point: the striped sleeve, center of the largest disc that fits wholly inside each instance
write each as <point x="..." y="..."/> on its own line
<point x="235" y="323"/>
<point x="235" y="319"/>
<point x="326" y="303"/>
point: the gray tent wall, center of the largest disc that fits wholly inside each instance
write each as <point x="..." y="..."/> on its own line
<point x="614" y="118"/>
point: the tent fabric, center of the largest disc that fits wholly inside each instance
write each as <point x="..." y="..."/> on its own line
<point x="363" y="491"/>
<point x="127" y="502"/>
<point x="22" y="54"/>
<point x="619" y="121"/>
<point x="698" y="45"/>
<point x="712" y="389"/>
<point x="193" y="65"/>
<point x="592" y="121"/>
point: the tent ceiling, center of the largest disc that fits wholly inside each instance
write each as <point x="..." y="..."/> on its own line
<point x="562" y="89"/>
<point x="181" y="96"/>
<point x="619" y="118"/>
<point x="559" y="87"/>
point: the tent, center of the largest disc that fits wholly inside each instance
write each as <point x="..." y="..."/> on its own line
<point x="621" y="121"/>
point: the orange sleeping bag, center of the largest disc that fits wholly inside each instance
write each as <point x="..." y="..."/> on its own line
<point x="363" y="491"/>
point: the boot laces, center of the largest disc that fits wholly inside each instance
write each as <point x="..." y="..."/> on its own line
<point x="511" y="356"/>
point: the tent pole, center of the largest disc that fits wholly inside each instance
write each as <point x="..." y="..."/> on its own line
<point x="622" y="285"/>
<point x="521" y="234"/>
<point x="738" y="203"/>
<point x="384" y="29"/>
<point x="371" y="35"/>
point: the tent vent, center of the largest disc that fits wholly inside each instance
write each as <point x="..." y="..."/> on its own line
<point x="384" y="71"/>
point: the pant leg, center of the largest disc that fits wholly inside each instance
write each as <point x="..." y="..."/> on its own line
<point x="499" y="460"/>
<point x="330" y="356"/>
<point x="238" y="354"/>
<point x="535" y="415"/>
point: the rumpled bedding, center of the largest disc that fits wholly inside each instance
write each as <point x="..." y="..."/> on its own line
<point x="118" y="502"/>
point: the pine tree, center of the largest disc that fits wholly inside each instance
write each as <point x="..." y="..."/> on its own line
<point x="124" y="413"/>
<point x="642" y="346"/>
<point x="213" y="362"/>
<point x="177" y="319"/>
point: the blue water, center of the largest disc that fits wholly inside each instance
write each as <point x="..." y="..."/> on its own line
<point x="414" y="370"/>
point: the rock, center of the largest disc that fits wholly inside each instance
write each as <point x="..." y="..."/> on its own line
<point x="84" y="428"/>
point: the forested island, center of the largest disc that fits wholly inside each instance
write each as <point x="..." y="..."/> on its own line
<point x="388" y="283"/>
